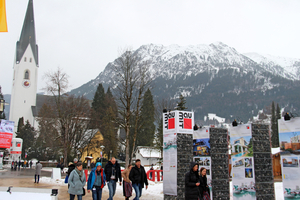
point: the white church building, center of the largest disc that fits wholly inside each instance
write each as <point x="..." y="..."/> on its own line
<point x="25" y="74"/>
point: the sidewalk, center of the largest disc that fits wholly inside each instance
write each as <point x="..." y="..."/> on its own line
<point x="25" y="178"/>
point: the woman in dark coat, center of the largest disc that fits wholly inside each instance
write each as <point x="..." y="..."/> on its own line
<point x="204" y="189"/>
<point x="192" y="183"/>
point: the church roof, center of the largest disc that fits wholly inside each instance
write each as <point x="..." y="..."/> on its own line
<point x="27" y="35"/>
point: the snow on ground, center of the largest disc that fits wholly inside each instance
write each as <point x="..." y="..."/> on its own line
<point x="50" y="181"/>
<point x="155" y="190"/>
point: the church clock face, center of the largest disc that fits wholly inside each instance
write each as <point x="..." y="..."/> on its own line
<point x="26" y="83"/>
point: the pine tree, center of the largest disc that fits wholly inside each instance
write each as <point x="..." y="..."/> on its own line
<point x="110" y="132"/>
<point x="278" y="112"/>
<point x="27" y="133"/>
<point x="110" y="101"/>
<point x="146" y="133"/>
<point x="181" y="103"/>
<point x="274" y="127"/>
<point x="20" y="124"/>
<point x="159" y="137"/>
<point x="99" y="98"/>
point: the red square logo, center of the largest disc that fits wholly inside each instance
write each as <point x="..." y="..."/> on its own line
<point x="187" y="123"/>
<point x="171" y="123"/>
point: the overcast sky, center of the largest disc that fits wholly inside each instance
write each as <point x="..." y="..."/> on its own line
<point x="81" y="37"/>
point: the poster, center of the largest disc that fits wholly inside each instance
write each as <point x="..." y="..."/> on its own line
<point x="6" y="133"/>
<point x="170" y="164"/>
<point x="243" y="176"/>
<point x="201" y="153"/>
<point x="289" y="141"/>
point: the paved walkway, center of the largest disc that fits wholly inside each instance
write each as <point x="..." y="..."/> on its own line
<point x="25" y="178"/>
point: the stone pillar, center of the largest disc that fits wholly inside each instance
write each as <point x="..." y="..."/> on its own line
<point x="263" y="169"/>
<point x="184" y="158"/>
<point x="219" y="163"/>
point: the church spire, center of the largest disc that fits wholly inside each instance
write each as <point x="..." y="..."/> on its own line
<point x="27" y="35"/>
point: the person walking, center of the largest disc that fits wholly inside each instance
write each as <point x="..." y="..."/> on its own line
<point x="204" y="189"/>
<point x="138" y="177"/>
<point x="152" y="168"/>
<point x="38" y="171"/>
<point x="192" y="183"/>
<point x="96" y="181"/>
<point x="113" y="173"/>
<point x="77" y="181"/>
<point x="30" y="163"/>
<point x="62" y="166"/>
<point x="92" y="165"/>
<point x="71" y="167"/>
<point x="19" y="164"/>
<point x="127" y="186"/>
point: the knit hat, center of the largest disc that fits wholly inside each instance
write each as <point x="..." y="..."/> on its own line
<point x="75" y="160"/>
<point x="98" y="164"/>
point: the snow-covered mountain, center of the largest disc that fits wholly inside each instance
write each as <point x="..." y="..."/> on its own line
<point x="281" y="66"/>
<point x="214" y="78"/>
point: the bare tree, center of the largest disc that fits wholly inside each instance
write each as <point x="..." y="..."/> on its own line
<point x="71" y="114"/>
<point x="133" y="79"/>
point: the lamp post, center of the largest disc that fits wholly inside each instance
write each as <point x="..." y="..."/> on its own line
<point x="101" y="153"/>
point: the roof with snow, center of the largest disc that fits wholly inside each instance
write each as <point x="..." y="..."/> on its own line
<point x="148" y="152"/>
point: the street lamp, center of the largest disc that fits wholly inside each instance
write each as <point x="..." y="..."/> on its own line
<point x="101" y="153"/>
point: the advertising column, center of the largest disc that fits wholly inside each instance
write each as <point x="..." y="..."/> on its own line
<point x="201" y="152"/>
<point x="243" y="177"/>
<point x="177" y="141"/>
<point x="289" y="141"/>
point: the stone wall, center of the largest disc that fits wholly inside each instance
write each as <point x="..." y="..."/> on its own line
<point x="219" y="163"/>
<point x="184" y="158"/>
<point x="263" y="169"/>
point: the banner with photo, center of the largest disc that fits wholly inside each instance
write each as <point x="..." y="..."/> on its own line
<point x="170" y="164"/>
<point x="243" y="176"/>
<point x="6" y="133"/>
<point x="201" y="152"/>
<point x="289" y="141"/>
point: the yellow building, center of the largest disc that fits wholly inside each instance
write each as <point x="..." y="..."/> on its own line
<point x="93" y="149"/>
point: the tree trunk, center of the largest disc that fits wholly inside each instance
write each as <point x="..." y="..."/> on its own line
<point x="127" y="159"/>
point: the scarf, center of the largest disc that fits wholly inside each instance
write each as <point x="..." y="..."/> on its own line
<point x="80" y="173"/>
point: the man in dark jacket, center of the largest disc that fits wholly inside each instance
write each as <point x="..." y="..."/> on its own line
<point x="138" y="177"/>
<point x="192" y="183"/>
<point x="112" y="171"/>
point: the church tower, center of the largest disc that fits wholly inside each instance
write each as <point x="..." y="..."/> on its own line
<point x="24" y="86"/>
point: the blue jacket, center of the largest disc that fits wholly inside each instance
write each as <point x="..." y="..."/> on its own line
<point x="93" y="176"/>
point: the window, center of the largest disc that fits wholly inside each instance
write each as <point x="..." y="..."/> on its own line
<point x="30" y="60"/>
<point x="25" y="59"/>
<point x="26" y="74"/>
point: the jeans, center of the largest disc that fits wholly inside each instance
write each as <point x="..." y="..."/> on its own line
<point x="112" y="184"/>
<point x="138" y="191"/>
<point x="97" y="193"/>
<point x="72" y="197"/>
<point x="35" y="178"/>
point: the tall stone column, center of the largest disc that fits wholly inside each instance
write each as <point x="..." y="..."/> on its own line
<point x="184" y="158"/>
<point x="264" y="180"/>
<point x="219" y="163"/>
